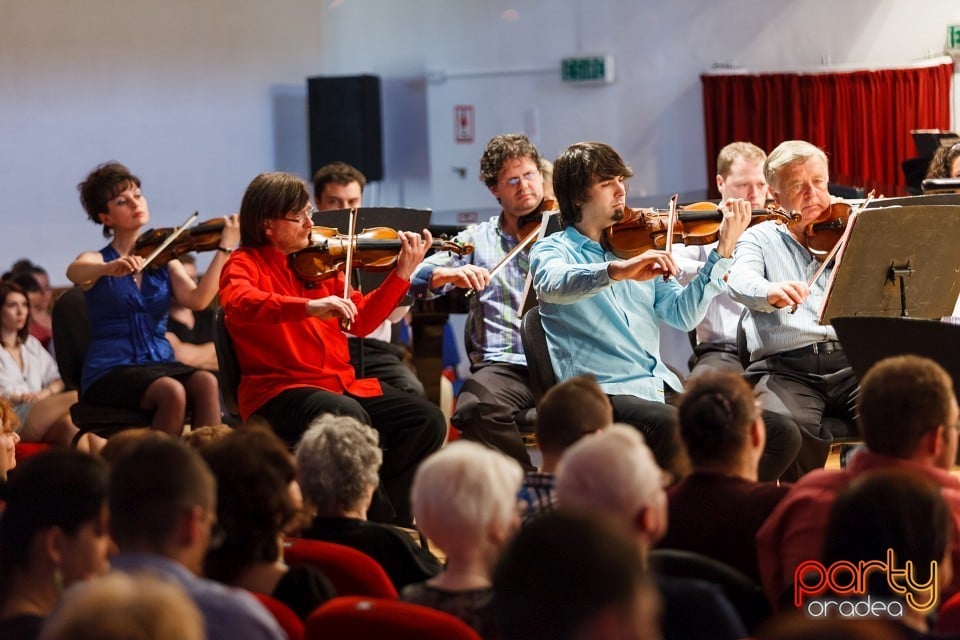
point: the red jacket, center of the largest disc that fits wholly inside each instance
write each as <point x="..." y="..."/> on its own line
<point x="278" y="345"/>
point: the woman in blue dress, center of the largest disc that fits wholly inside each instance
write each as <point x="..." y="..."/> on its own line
<point x="130" y="363"/>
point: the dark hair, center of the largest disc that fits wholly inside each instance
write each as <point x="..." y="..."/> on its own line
<point x="10" y="286"/>
<point x="61" y="488"/>
<point x="890" y="509"/>
<point x="253" y="469"/>
<point x="577" y="169"/>
<point x="560" y="571"/>
<point x="24" y="265"/>
<point x="716" y="414"/>
<point x="502" y="148"/>
<point x="570" y="410"/>
<point x="103" y="184"/>
<point x="338" y="172"/>
<point x="269" y="196"/>
<point x="942" y="161"/>
<point x="149" y="488"/>
<point x="901" y="400"/>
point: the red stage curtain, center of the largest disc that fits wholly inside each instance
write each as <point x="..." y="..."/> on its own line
<point x="862" y="119"/>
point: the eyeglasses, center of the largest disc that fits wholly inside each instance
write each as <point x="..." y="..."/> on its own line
<point x="303" y="216"/>
<point x="529" y="176"/>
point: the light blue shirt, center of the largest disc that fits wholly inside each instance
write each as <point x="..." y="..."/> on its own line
<point x="766" y="254"/>
<point x="609" y="328"/>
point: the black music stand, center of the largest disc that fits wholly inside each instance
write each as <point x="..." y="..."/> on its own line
<point x="900" y="268"/>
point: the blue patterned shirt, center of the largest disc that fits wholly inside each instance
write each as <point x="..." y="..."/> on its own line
<point x="493" y="323"/>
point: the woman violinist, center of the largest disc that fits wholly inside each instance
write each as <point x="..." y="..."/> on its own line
<point x="286" y="332"/>
<point x="129" y="362"/>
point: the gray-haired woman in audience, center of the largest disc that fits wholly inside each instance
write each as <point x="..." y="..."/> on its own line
<point x="339" y="460"/>
<point x="464" y="499"/>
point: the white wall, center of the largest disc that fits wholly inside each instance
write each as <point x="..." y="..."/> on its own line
<point x="198" y="96"/>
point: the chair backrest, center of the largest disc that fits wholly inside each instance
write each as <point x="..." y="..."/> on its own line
<point x="534" y="340"/>
<point x="744" y="594"/>
<point x="71" y="335"/>
<point x="359" y="617"/>
<point x="742" y="351"/>
<point x="352" y="572"/>
<point x="229" y="364"/>
<point x="284" y="615"/>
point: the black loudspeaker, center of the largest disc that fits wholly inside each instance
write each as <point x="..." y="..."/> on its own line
<point x="345" y="123"/>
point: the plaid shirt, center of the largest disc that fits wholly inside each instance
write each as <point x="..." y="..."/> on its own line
<point x="493" y="323"/>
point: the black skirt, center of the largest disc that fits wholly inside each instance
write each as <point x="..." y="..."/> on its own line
<point x="125" y="386"/>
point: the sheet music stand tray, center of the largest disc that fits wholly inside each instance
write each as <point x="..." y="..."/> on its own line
<point x="399" y="218"/>
<point x="898" y="259"/>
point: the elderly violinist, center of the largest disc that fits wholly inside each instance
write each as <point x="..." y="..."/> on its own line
<point x="293" y="357"/>
<point x="600" y="312"/>
<point x="129" y="362"/>
<point x="498" y="390"/>
<point x="801" y="374"/>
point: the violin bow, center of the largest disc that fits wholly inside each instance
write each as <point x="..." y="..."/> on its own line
<point x="166" y="243"/>
<point x="348" y="267"/>
<point x="836" y="248"/>
<point x="670" y="225"/>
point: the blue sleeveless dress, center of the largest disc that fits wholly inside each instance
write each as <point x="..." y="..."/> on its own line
<point x="128" y="349"/>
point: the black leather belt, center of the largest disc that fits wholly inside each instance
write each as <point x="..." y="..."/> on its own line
<point x="817" y="348"/>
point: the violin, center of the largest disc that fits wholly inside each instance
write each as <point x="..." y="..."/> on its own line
<point x="374" y="249"/>
<point x="697" y="224"/>
<point x="821" y="235"/>
<point x="202" y="237"/>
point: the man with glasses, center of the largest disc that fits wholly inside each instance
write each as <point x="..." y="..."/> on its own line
<point x="498" y="390"/>
<point x="338" y="185"/>
<point x="293" y="356"/>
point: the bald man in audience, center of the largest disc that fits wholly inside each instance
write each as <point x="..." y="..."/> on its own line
<point x="613" y="474"/>
<point x="908" y="418"/>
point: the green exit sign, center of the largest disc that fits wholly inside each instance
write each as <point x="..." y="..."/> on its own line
<point x="953" y="36"/>
<point x="587" y="69"/>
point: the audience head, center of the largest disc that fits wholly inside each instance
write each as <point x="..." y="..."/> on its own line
<point x="9" y="424"/>
<point x="55" y="521"/>
<point x="202" y="437"/>
<point x="339" y="460"/>
<point x="254" y="472"/>
<point x="163" y="500"/>
<point x="15" y="309"/>
<point x="567" y="576"/>
<point x="465" y="496"/>
<point x="338" y="185"/>
<point x="614" y="473"/>
<point x="570" y="410"/>
<point x="270" y="198"/>
<point x="907" y="402"/>
<point x="125" y="607"/>
<point x="945" y="163"/>
<point x="104" y="184"/>
<point x="740" y="173"/>
<point x="577" y="169"/>
<point x="118" y="445"/>
<point x="720" y="422"/>
<point x="892" y="509"/>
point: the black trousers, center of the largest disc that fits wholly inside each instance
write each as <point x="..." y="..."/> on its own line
<point x="797" y="389"/>
<point x="410" y="429"/>
<point x="384" y="361"/>
<point x="659" y="424"/>
<point x="488" y="405"/>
